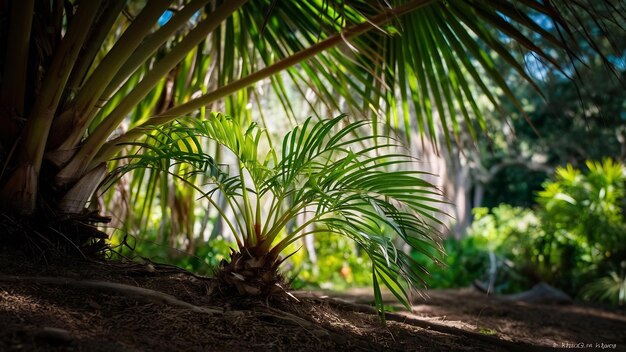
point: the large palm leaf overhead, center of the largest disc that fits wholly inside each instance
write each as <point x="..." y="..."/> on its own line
<point x="72" y="72"/>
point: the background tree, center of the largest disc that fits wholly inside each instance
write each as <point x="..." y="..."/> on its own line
<point x="580" y="116"/>
<point x="576" y="114"/>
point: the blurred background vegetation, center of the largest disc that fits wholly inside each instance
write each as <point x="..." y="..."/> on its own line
<point x="541" y="198"/>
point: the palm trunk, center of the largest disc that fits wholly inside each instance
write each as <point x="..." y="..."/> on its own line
<point x="20" y="192"/>
<point x="251" y="272"/>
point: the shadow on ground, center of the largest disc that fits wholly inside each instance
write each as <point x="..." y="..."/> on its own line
<point x="75" y="308"/>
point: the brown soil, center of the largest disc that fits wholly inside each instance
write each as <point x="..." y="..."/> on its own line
<point x="97" y="307"/>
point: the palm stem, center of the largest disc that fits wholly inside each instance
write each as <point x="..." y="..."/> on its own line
<point x="234" y="205"/>
<point x="225" y="218"/>
<point x="36" y="131"/>
<point x="282" y="245"/>
<point x="273" y="212"/>
<point x="150" y="45"/>
<point x="292" y="237"/>
<point x="249" y="235"/>
<point x="94" y="45"/>
<point x="82" y="108"/>
<point x="21" y="194"/>
<point x="80" y="162"/>
<point x="274" y="231"/>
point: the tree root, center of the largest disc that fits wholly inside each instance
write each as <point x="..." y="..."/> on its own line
<point x="429" y="325"/>
<point x="140" y="292"/>
<point x="164" y="298"/>
<point x="315" y="330"/>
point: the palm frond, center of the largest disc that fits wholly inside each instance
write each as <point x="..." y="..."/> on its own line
<point x="611" y="288"/>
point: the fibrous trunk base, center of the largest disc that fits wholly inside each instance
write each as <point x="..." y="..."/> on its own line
<point x="250" y="274"/>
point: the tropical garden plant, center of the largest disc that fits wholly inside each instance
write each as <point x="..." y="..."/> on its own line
<point x="83" y="80"/>
<point x="498" y="253"/>
<point x="344" y="181"/>
<point x="573" y="239"/>
<point x="584" y="224"/>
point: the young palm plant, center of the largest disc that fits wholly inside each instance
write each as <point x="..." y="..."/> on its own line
<point x="347" y="182"/>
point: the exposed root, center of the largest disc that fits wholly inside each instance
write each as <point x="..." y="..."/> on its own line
<point x="315" y="330"/>
<point x="428" y="325"/>
<point x="140" y="292"/>
<point x="164" y="298"/>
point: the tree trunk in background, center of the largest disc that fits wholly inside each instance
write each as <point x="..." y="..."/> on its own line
<point x="453" y="177"/>
<point x="459" y="178"/>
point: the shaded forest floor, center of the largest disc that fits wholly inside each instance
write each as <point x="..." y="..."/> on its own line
<point x="98" y="307"/>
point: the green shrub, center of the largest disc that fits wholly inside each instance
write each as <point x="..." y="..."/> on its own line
<point x="611" y="288"/>
<point x="574" y="240"/>
<point x="583" y="218"/>
<point x="465" y="258"/>
<point x="502" y="237"/>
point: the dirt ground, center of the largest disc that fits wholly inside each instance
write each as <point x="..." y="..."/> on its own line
<point x="139" y="307"/>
